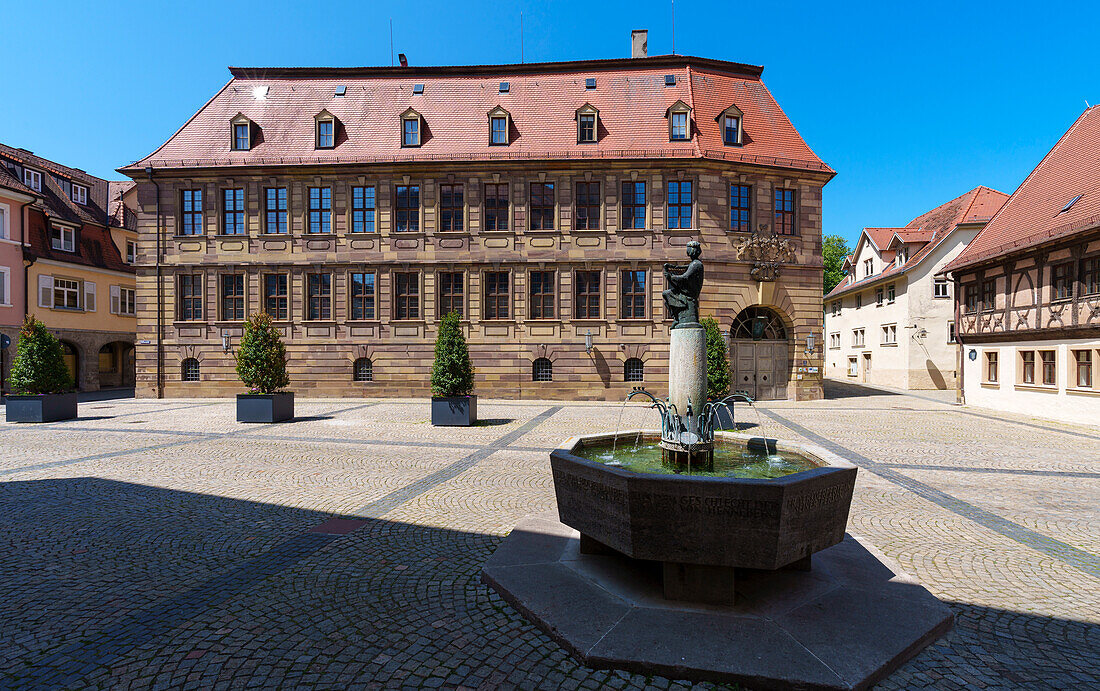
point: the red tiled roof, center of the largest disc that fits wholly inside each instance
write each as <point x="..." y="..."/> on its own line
<point x="8" y="181"/>
<point x="937" y="225"/>
<point x="630" y="95"/>
<point x="880" y="236"/>
<point x="53" y="199"/>
<point x="1033" y="214"/>
<point x="95" y="247"/>
<point x="118" y="214"/>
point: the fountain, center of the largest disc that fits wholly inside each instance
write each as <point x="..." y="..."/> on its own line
<point x="708" y="554"/>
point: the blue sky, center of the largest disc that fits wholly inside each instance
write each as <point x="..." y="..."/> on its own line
<point x="911" y="103"/>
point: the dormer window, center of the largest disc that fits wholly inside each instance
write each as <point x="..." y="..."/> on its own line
<point x="679" y="121"/>
<point x="325" y="130"/>
<point x="410" y="128"/>
<point x="80" y="194"/>
<point x="242" y="134"/>
<point x="587" y="123"/>
<point x="499" y="120"/>
<point x="32" y="179"/>
<point x="730" y="121"/>
<point x="868" y="267"/>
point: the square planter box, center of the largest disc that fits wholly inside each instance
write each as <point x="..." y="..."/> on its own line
<point x="456" y="411"/>
<point x="273" y="407"/>
<point x="48" y="408"/>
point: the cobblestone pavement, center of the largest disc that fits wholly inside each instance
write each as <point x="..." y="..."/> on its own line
<point x="161" y="544"/>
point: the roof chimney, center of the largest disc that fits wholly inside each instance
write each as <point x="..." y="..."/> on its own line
<point x="403" y="60"/>
<point x="639" y="43"/>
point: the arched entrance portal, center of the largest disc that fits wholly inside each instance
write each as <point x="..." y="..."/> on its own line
<point x="116" y="365"/>
<point x="759" y="354"/>
<point x="72" y="361"/>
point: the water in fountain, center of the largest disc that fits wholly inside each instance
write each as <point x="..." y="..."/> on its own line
<point x="732" y="458"/>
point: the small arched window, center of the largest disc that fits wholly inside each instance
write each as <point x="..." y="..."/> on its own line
<point x="364" y="370"/>
<point x="542" y="370"/>
<point x="633" y="370"/>
<point x="190" y="369"/>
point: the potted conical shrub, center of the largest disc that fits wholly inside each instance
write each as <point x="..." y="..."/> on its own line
<point x="452" y="377"/>
<point x="42" y="388"/>
<point x="261" y="365"/>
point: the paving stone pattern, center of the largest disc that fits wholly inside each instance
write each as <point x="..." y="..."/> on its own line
<point x="161" y="544"/>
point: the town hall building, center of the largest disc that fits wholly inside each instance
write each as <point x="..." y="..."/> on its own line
<point x="358" y="206"/>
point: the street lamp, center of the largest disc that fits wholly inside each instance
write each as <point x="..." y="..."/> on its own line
<point x="588" y="341"/>
<point x="226" y="345"/>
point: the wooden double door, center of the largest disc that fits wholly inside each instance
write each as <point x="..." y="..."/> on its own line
<point x="760" y="368"/>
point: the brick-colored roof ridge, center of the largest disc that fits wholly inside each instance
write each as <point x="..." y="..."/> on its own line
<point x="1019" y="224"/>
<point x="941" y="222"/>
<point x="632" y="99"/>
<point x="10" y="182"/>
<point x="28" y="158"/>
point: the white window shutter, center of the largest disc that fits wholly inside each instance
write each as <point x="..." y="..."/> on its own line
<point x="45" y="291"/>
<point x="115" y="299"/>
<point x="89" y="296"/>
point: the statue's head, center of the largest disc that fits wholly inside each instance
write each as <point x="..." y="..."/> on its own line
<point x="694" y="249"/>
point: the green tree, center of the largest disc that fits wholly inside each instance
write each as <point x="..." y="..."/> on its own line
<point x="261" y="357"/>
<point x="718" y="368"/>
<point x="452" y="372"/>
<point x="833" y="251"/>
<point x="39" y="364"/>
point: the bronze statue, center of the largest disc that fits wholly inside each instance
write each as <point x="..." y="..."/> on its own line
<point x="682" y="295"/>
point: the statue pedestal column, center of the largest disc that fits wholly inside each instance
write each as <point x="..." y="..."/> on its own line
<point x="687" y="371"/>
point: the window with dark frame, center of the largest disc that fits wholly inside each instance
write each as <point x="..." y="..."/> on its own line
<point x="633" y="205"/>
<point x="319" y="297"/>
<point x="326" y="129"/>
<point x="1027" y="366"/>
<point x="991" y="367"/>
<point x="1050" y="367"/>
<point x="406" y="295"/>
<point x="989" y="295"/>
<point x="587" y="295"/>
<point x="679" y="126"/>
<point x="232" y="297"/>
<point x="1083" y="360"/>
<point x="277" y="296"/>
<point x="1060" y="281"/>
<point x="364" y="370"/>
<point x="542" y="370"/>
<point x="587" y="214"/>
<point x="362" y="209"/>
<point x="740" y="208"/>
<point x="362" y="295"/>
<point x="1090" y="276"/>
<point x="242" y="139"/>
<point x="320" y="210"/>
<point x="680" y="203"/>
<point x="189" y="370"/>
<point x="233" y="212"/>
<point x="544" y="296"/>
<point x="496" y="206"/>
<point x="632" y="303"/>
<point x="496" y="295"/>
<point x="971" y="292"/>
<point x="452" y="293"/>
<point x="190" y="297"/>
<point x="408" y="208"/>
<point x="451" y="207"/>
<point x="191" y="223"/>
<point x="731" y="125"/>
<point x="410" y="132"/>
<point x="891" y="293"/>
<point x="542" y="206"/>
<point x="633" y="370"/>
<point x="276" y="216"/>
<point x="784" y="212"/>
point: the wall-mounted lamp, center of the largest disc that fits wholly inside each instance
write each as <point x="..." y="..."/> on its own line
<point x="810" y="342"/>
<point x="226" y="345"/>
<point x="588" y="341"/>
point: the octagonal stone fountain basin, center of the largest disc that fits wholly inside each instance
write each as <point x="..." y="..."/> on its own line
<point x="702" y="526"/>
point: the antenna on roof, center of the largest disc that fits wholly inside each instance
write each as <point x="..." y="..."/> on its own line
<point x="521" y="38"/>
<point x="391" y="41"/>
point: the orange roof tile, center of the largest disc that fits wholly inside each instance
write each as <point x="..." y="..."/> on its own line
<point x="630" y="94"/>
<point x="1034" y="213"/>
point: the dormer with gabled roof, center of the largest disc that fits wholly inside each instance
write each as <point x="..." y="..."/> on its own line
<point x="679" y="121"/>
<point x="500" y="127"/>
<point x="324" y="130"/>
<point x="588" y="124"/>
<point x="731" y="121"/>
<point x="412" y="126"/>
<point x="242" y="133"/>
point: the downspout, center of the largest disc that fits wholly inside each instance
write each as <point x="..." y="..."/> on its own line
<point x="960" y="353"/>
<point x="24" y="244"/>
<point x="160" y="294"/>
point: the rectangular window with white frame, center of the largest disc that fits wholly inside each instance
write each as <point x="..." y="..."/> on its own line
<point x="889" y="334"/>
<point x="63" y="239"/>
<point x="5" y="287"/>
<point x="79" y="194"/>
<point x="853" y="367"/>
<point x="940" y="288"/>
<point x="123" y="301"/>
<point x="991" y="367"/>
<point x="5" y="222"/>
<point x="858" y="337"/>
<point x="32" y="179"/>
<point x="951" y="332"/>
<point x="66" y="294"/>
<point x="834" y="340"/>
